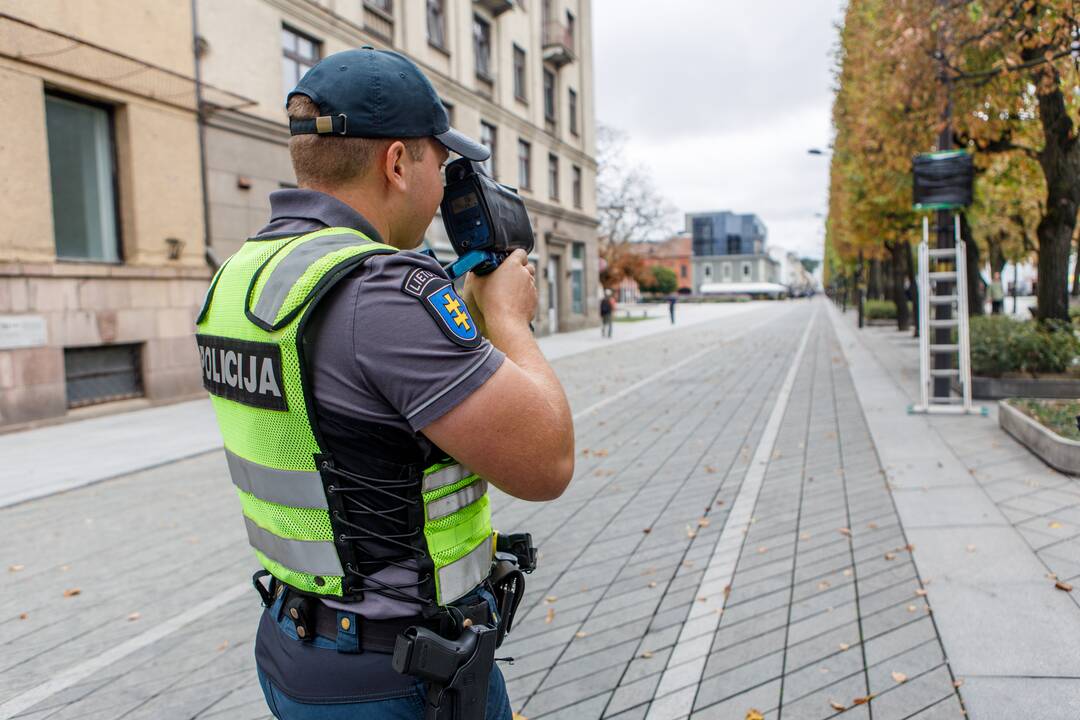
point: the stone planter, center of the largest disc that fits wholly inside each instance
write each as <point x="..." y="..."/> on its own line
<point x="1054" y="450"/>
<point x="1054" y="388"/>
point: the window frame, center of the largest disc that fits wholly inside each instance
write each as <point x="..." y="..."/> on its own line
<point x="491" y="162"/>
<point x="551" y="108"/>
<point x="553" y="176"/>
<point x="572" y="102"/>
<point x="577" y="186"/>
<point x="295" y="57"/>
<point x="114" y="175"/>
<point x="443" y="45"/>
<point x="524" y="164"/>
<point x="521" y="74"/>
<point x="485" y="73"/>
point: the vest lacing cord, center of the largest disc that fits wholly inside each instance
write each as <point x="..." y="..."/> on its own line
<point x="365" y="484"/>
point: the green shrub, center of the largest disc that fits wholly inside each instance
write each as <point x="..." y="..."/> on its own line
<point x="879" y="310"/>
<point x="1000" y="344"/>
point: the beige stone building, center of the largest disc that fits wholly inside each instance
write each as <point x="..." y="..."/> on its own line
<point x="102" y="261"/>
<point x="515" y="74"/>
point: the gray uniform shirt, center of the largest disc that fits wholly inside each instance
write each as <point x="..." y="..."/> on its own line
<point x="375" y="353"/>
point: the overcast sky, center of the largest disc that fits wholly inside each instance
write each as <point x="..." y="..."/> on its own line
<point x="722" y="99"/>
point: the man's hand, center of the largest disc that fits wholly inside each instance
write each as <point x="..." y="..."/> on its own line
<point x="504" y="300"/>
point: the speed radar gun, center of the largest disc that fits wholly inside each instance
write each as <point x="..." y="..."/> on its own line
<point x="484" y="220"/>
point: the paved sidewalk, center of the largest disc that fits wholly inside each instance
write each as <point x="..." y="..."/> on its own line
<point x="993" y="529"/>
<point x="113" y="445"/>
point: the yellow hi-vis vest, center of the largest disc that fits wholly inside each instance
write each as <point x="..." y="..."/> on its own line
<point x="250" y="337"/>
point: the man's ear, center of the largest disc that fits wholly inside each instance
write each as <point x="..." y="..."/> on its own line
<point x="394" y="165"/>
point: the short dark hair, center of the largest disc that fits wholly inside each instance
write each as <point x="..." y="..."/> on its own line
<point x="327" y="160"/>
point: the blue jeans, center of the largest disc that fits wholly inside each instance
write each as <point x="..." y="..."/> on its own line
<point x="404" y="703"/>
<point x="410" y="707"/>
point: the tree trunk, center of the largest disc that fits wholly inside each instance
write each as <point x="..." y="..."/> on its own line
<point x="976" y="284"/>
<point x="1076" y="271"/>
<point x="994" y="245"/>
<point x="898" y="250"/>
<point x="874" y="289"/>
<point x="914" y="285"/>
<point x="1060" y="161"/>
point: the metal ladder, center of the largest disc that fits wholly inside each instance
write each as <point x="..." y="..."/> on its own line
<point x="928" y="349"/>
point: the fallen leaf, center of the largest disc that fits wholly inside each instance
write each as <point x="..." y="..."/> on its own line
<point x="844" y="646"/>
<point x="518" y="716"/>
<point x="872" y="525"/>
<point x="702" y="598"/>
<point x="1051" y="576"/>
<point x="920" y="592"/>
<point x="600" y="453"/>
<point x="1055" y="524"/>
<point x="710" y="469"/>
<point x="550" y="616"/>
<point x="719" y="503"/>
<point x="970" y="548"/>
<point x="804" y="536"/>
<point x="134" y="616"/>
<point x="762" y="550"/>
<point x="647" y="530"/>
<point x="957" y="683"/>
<point x="890" y="556"/>
<point x="690" y="533"/>
<point x="688" y="563"/>
<point x="15" y="568"/>
<point x="823" y="585"/>
<point x="647" y="654"/>
<point x="580" y="634"/>
<point x="899" y="676"/>
<point x="551" y="598"/>
<point x="727" y="592"/>
<point x="23" y="616"/>
<point x="754" y="714"/>
<point x="863" y="700"/>
<point x="703" y="522"/>
<point x="652" y="584"/>
<point x="1062" y="585"/>
<point x="72" y="592"/>
<point x="847" y="572"/>
<point x="837" y="706"/>
<point x="222" y="646"/>
<point x="845" y="531"/>
<point x="909" y="547"/>
<point x="911" y="608"/>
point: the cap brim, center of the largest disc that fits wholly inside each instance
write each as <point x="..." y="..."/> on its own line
<point x="463" y="145"/>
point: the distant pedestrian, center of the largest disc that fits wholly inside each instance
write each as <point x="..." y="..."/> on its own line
<point x="997" y="295"/>
<point x="671" y="308"/>
<point x="607" y="310"/>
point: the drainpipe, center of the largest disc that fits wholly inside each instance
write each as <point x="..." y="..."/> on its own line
<point x="211" y="257"/>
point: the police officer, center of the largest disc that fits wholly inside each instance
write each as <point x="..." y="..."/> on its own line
<point x="365" y="404"/>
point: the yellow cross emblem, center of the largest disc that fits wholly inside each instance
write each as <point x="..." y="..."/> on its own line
<point x="452" y="305"/>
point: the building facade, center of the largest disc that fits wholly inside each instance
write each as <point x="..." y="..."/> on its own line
<point x="102" y="265"/>
<point x="730" y="248"/>
<point x="515" y="75"/>
<point x="676" y="255"/>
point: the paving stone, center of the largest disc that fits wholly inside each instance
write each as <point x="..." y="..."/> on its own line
<point x="917" y="693"/>
<point x="765" y="698"/>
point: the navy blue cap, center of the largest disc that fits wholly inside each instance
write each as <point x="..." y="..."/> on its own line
<point x="377" y="94"/>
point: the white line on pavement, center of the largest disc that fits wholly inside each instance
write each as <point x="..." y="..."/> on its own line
<point x="674" y="696"/>
<point x="671" y="368"/>
<point x="71" y="676"/>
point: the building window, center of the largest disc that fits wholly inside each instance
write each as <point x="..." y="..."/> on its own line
<point x="553" y="176"/>
<point x="571" y="30"/>
<point x="577" y="186"/>
<point x="573" y="111"/>
<point x="482" y="47"/>
<point x="489" y="139"/>
<point x="299" y="53"/>
<point x="577" y="279"/>
<point x="449" y="110"/>
<point x="708" y="271"/>
<point x="549" y="95"/>
<point x="682" y="271"/>
<point x="520" y="85"/>
<point x="436" y="23"/>
<point x="524" y="163"/>
<point x="102" y="374"/>
<point x="82" y="172"/>
<point x="746" y="270"/>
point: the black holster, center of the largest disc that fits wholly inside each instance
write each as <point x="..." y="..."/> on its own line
<point x="456" y="671"/>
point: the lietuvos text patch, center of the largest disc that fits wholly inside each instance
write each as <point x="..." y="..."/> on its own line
<point x="243" y="371"/>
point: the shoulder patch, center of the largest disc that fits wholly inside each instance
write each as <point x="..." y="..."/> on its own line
<point x="417" y="281"/>
<point x="441" y="300"/>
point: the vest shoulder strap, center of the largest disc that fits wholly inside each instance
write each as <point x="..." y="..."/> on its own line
<point x="301" y="269"/>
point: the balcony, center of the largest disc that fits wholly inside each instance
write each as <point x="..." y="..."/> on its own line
<point x="496" y="7"/>
<point x="379" y="19"/>
<point x="558" y="44"/>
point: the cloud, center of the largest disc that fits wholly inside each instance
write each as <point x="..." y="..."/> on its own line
<point x="721" y="100"/>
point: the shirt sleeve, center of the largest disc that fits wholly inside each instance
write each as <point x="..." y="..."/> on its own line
<point x="414" y="340"/>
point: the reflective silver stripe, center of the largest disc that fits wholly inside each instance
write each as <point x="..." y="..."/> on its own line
<point x="293" y="266"/>
<point x="458" y="578"/>
<point x="294" y="488"/>
<point x="313" y="558"/>
<point x="456" y="500"/>
<point x="444" y="477"/>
